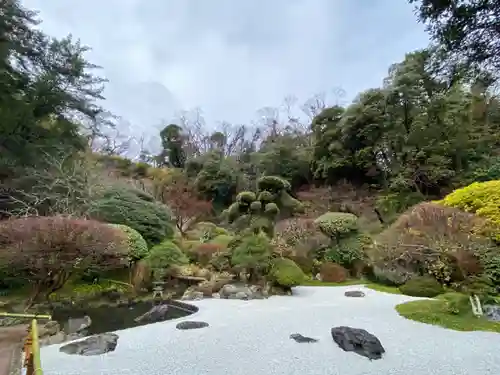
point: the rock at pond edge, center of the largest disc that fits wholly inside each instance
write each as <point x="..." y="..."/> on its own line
<point x="93" y="345"/>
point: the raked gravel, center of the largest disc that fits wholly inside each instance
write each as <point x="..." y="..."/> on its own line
<point x="252" y="338"/>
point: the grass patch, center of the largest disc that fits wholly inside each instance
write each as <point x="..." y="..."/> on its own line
<point x="436" y="312"/>
<point x="323" y="283"/>
<point x="383" y="288"/>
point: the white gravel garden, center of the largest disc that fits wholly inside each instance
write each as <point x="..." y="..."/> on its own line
<point x="253" y="338"/>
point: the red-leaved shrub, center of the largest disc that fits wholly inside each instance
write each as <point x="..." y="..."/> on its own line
<point x="332" y="272"/>
<point x="204" y="252"/>
<point x="46" y="251"/>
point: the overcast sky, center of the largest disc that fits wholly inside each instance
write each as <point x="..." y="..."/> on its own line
<point x="232" y="57"/>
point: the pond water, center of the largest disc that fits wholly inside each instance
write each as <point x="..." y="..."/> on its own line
<point x="114" y="318"/>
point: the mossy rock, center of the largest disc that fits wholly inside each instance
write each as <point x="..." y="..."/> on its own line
<point x="422" y="286"/>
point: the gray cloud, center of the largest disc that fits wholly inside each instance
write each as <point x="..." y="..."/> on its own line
<point x="232" y="57"/>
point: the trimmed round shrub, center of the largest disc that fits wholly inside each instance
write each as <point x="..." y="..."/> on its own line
<point x="286" y="272"/>
<point x="135" y="209"/>
<point x="349" y="250"/>
<point x="271" y="209"/>
<point x="164" y="256"/>
<point x="273" y="183"/>
<point x="256" y="206"/>
<point x="480" y="198"/>
<point x="246" y="197"/>
<point x="422" y="286"/>
<point x="266" y="196"/>
<point x="305" y="264"/>
<point x="138" y="248"/>
<point x="332" y="272"/>
<point x="337" y="224"/>
<point x="254" y="251"/>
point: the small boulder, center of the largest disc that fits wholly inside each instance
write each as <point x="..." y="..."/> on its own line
<point x="359" y="341"/>
<point x="191" y="325"/>
<point x="93" y="345"/>
<point x="192" y="295"/>
<point x="157" y="313"/>
<point x="77" y="325"/>
<point x="302" y="339"/>
<point x="50" y="328"/>
<point x="354" y="293"/>
<point x="492" y="312"/>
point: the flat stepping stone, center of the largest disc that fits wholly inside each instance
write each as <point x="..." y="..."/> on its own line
<point x="302" y="339"/>
<point x="354" y="293"/>
<point x="191" y="325"/>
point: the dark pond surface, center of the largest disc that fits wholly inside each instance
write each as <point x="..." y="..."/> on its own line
<point x="113" y="318"/>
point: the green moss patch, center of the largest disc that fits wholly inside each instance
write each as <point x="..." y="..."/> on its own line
<point x="437" y="312"/>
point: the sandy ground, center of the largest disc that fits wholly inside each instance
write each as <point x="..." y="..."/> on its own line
<point x="252" y="338"/>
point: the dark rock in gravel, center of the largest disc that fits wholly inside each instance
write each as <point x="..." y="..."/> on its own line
<point x="359" y="341"/>
<point x="354" y="293"/>
<point x="302" y="339"/>
<point x="157" y="313"/>
<point x="191" y="325"/>
<point x="93" y="345"/>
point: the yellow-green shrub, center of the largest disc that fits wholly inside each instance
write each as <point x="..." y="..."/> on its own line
<point x="480" y="198"/>
<point x="286" y="272"/>
<point x="337" y="224"/>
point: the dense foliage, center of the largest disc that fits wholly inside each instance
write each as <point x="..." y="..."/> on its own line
<point x="242" y="199"/>
<point x="137" y="245"/>
<point x="135" y="209"/>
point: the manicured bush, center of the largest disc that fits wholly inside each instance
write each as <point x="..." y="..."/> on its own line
<point x="246" y="197"/>
<point x="273" y="184"/>
<point x="480" y="198"/>
<point x="223" y="240"/>
<point x="137" y="246"/>
<point x="349" y="250"/>
<point x="337" y="224"/>
<point x="164" y="256"/>
<point x="285" y="272"/>
<point x="301" y="237"/>
<point x="135" y="209"/>
<point x="422" y="286"/>
<point x="204" y="252"/>
<point x="259" y="211"/>
<point x="252" y="253"/>
<point x="305" y="264"/>
<point x="332" y="272"/>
